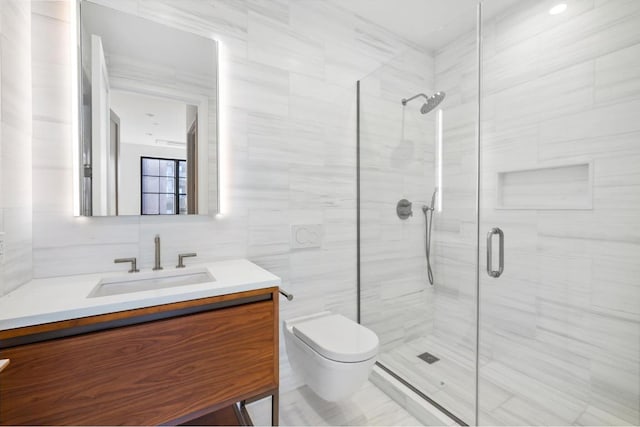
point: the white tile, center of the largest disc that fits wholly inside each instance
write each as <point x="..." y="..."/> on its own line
<point x="617" y="75"/>
<point x="368" y="406"/>
<point x="278" y="45"/>
<point x="15" y="144"/>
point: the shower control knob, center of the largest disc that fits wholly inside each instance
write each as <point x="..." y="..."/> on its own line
<point x="404" y="209"/>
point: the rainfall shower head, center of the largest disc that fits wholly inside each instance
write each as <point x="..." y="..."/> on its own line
<point x="432" y="101"/>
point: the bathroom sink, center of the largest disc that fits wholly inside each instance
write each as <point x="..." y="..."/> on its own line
<point x="137" y="282"/>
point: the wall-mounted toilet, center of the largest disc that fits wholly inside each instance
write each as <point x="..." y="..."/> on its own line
<point x="333" y="355"/>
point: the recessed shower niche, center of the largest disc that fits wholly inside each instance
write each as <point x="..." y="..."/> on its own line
<point x="548" y="187"/>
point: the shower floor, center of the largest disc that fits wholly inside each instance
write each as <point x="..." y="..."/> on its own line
<point x="507" y="396"/>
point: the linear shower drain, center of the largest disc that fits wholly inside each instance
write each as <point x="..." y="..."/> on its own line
<point x="428" y="357"/>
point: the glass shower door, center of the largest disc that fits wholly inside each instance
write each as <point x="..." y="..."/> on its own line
<point x="560" y="178"/>
<point x="418" y="175"/>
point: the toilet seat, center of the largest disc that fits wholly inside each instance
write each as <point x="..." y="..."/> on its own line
<point x="337" y="338"/>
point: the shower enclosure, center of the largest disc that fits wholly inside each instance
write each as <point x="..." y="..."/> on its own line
<point x="533" y="156"/>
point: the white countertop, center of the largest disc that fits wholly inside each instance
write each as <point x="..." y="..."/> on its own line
<point x="61" y="298"/>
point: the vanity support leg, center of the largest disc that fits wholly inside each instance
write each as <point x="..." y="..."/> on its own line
<point x="275" y="415"/>
<point x="275" y="412"/>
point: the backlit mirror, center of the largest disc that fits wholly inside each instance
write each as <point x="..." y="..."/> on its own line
<point x="148" y="117"/>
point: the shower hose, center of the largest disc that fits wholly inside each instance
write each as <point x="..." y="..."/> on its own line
<point x="428" y="222"/>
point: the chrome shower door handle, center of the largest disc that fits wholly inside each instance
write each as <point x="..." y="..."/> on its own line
<point x="490" y="271"/>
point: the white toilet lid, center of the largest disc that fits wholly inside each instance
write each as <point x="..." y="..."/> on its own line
<point x="338" y="338"/>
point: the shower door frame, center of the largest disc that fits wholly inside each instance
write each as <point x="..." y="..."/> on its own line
<point x="483" y="154"/>
<point x="478" y="181"/>
<point x="479" y="75"/>
<point x="358" y="286"/>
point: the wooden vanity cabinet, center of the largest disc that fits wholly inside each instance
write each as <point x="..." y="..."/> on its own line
<point x="159" y="365"/>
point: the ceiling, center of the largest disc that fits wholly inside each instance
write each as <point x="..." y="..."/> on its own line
<point x="149" y="120"/>
<point x="428" y="23"/>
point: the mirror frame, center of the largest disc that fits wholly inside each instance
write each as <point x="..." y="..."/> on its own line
<point x="205" y="187"/>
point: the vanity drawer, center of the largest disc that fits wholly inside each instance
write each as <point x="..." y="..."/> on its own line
<point x="145" y="374"/>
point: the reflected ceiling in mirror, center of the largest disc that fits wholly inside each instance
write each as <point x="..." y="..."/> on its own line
<point x="148" y="95"/>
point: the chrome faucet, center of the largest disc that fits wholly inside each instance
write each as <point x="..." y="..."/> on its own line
<point x="181" y="258"/>
<point x="156" y="265"/>
<point x="133" y="269"/>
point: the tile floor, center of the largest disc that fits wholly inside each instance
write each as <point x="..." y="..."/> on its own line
<point x="507" y="395"/>
<point x="301" y="407"/>
<point x="449" y="381"/>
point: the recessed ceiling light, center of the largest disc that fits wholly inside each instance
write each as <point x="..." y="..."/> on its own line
<point x="558" y="9"/>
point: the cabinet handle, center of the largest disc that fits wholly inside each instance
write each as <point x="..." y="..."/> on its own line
<point x="3" y="364"/>
<point x="490" y="271"/>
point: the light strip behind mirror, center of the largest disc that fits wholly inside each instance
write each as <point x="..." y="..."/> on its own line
<point x="74" y="100"/>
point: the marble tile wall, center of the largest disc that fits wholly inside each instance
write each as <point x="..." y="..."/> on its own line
<point x="288" y="105"/>
<point x="560" y="330"/>
<point x="15" y="143"/>
<point x="397" y="145"/>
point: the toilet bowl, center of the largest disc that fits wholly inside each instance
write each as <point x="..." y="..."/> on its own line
<point x="333" y="355"/>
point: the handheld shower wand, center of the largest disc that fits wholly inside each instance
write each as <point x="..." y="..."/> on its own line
<point x="428" y="223"/>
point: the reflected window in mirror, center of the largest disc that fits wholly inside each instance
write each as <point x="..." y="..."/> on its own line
<point x="164" y="186"/>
